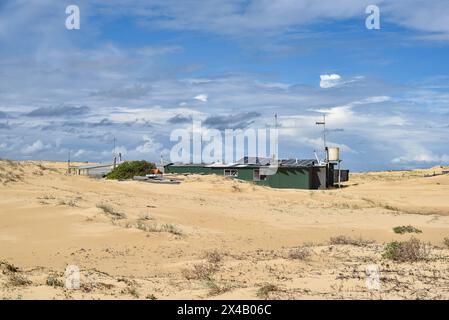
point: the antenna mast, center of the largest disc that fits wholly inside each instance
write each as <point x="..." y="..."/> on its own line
<point x="323" y="123"/>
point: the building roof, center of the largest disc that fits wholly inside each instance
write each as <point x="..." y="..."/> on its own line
<point x="253" y="162"/>
<point x="93" y="166"/>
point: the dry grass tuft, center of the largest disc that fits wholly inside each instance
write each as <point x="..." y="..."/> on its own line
<point x="344" y="240"/>
<point x="214" y="257"/>
<point x="18" y="280"/>
<point x="265" y="290"/>
<point x="107" y="209"/>
<point x="446" y="242"/>
<point x="154" y="227"/>
<point x="407" y="251"/>
<point x="53" y="281"/>
<point x="406" y="229"/>
<point x="301" y="253"/>
<point x="200" y="271"/>
<point x="7" y="267"/>
<point x="215" y="289"/>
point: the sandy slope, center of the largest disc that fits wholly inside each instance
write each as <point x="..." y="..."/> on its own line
<point x="162" y="248"/>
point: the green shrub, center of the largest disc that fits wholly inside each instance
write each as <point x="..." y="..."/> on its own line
<point x="406" y="229"/>
<point x="129" y="169"/>
<point x="411" y="250"/>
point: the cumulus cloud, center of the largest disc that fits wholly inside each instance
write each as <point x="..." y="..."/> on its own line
<point x="330" y="80"/>
<point x="58" y="111"/>
<point x="201" y="97"/>
<point x="233" y="121"/>
<point x="178" y="119"/>
<point x="79" y="153"/>
<point x="149" y="147"/>
<point x="36" y="147"/>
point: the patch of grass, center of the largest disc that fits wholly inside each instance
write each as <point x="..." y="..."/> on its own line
<point x="107" y="209"/>
<point x="301" y="253"/>
<point x="265" y="290"/>
<point x="18" y="280"/>
<point x="200" y="271"/>
<point x="446" y="242"/>
<point x="133" y="292"/>
<point x="53" y="281"/>
<point x="154" y="227"/>
<point x="236" y="188"/>
<point x="215" y="289"/>
<point x="129" y="169"/>
<point x="150" y="297"/>
<point x="213" y="257"/>
<point x="406" y="251"/>
<point x="171" y="228"/>
<point x="344" y="240"/>
<point x="8" y="267"/>
<point x="145" y="217"/>
<point x="406" y="229"/>
<point x="70" y="203"/>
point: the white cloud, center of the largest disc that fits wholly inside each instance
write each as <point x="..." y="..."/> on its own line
<point x="201" y="97"/>
<point x="149" y="146"/>
<point x="36" y="147"/>
<point x="416" y="153"/>
<point x="330" y="80"/>
<point x="79" y="153"/>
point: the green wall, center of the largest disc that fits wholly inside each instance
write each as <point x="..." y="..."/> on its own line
<point x="287" y="178"/>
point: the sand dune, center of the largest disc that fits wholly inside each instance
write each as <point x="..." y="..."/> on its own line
<point x="211" y="237"/>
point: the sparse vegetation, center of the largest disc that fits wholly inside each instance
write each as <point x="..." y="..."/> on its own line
<point x="213" y="257"/>
<point x="406" y="229"/>
<point x="446" y="242"/>
<point x="171" y="228"/>
<point x="8" y="267"/>
<point x="301" y="253"/>
<point x="344" y="240"/>
<point x="107" y="209"/>
<point x="18" y="280"/>
<point x="70" y="203"/>
<point x="151" y="297"/>
<point x="200" y="271"/>
<point x="215" y="289"/>
<point x="133" y="292"/>
<point x="145" y="217"/>
<point x="129" y="169"/>
<point x="53" y="281"/>
<point x="154" y="227"/>
<point x="406" y="251"/>
<point x="265" y="290"/>
<point x="236" y="188"/>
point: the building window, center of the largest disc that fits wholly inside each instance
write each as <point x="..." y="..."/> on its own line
<point x="257" y="176"/>
<point x="231" y="173"/>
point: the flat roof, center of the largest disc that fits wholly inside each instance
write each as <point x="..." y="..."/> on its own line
<point x="287" y="163"/>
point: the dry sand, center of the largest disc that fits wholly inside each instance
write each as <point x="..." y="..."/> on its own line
<point x="214" y="238"/>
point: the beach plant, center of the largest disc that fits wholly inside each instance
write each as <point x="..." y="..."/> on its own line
<point x="129" y="169"/>
<point x="406" y="251"/>
<point x="406" y="229"/>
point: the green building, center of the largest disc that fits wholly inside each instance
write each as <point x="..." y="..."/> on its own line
<point x="290" y="174"/>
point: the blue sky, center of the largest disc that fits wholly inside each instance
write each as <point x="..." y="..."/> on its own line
<point x="134" y="69"/>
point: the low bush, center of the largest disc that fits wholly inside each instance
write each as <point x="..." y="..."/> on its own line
<point x="406" y="229"/>
<point x="129" y="169"/>
<point x="407" y="251"/>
